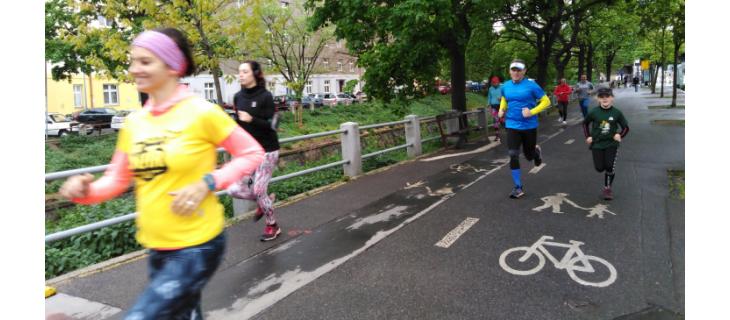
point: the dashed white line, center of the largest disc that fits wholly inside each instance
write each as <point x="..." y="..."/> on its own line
<point x="570" y="141"/>
<point x="454" y="235"/>
<point x="538" y="168"/>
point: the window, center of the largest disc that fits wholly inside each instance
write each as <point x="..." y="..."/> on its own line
<point x="111" y="94"/>
<point x="272" y="85"/>
<point x="78" y="95"/>
<point x="352" y="67"/>
<point x="269" y="63"/>
<point x="327" y="86"/>
<point x="326" y="62"/>
<point x="308" y="87"/>
<point x="209" y="91"/>
<point x="284" y="4"/>
<point x="339" y="65"/>
<point x="241" y="3"/>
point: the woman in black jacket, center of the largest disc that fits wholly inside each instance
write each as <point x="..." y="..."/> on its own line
<point x="254" y="113"/>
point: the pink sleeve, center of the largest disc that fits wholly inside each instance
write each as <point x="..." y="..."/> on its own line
<point x="116" y="180"/>
<point x="247" y="156"/>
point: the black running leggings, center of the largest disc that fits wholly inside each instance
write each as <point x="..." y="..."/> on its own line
<point x="605" y="159"/>
<point x="526" y="138"/>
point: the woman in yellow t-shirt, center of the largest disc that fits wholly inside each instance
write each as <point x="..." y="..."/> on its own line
<point x="168" y="149"/>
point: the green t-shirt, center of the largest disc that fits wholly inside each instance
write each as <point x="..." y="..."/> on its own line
<point x="602" y="124"/>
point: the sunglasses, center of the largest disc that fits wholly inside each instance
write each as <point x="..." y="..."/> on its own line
<point x="604" y="95"/>
<point x="516" y="69"/>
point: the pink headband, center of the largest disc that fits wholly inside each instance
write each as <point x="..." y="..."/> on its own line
<point x="163" y="47"/>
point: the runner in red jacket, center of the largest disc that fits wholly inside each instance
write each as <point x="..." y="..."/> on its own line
<point x="562" y="93"/>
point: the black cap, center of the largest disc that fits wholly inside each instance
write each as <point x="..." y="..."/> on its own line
<point x="604" y="91"/>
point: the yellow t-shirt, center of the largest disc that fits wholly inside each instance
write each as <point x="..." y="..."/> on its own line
<point x="166" y="153"/>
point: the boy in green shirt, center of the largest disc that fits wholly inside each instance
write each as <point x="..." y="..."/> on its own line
<point x="601" y="128"/>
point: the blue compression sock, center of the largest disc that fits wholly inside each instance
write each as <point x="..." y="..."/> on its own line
<point x="516" y="173"/>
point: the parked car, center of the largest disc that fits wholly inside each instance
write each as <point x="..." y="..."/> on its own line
<point x="282" y="103"/>
<point x="361" y="96"/>
<point x="118" y="119"/>
<point x="332" y="99"/>
<point x="444" y="89"/>
<point x="353" y="98"/>
<point x="314" y="98"/>
<point x="58" y="125"/>
<point x="97" y="116"/>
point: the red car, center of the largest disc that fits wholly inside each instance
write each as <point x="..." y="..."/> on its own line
<point x="444" y="89"/>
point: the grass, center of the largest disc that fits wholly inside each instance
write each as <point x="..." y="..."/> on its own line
<point x="669" y="106"/>
<point x="673" y="123"/>
<point x="676" y="184"/>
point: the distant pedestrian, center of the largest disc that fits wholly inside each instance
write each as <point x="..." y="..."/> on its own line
<point x="636" y="83"/>
<point x="562" y="93"/>
<point x="601" y="129"/>
<point x="583" y="90"/>
<point x="494" y="96"/>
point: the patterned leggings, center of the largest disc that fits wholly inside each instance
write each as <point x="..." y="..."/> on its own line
<point x="495" y="117"/>
<point x="255" y="187"/>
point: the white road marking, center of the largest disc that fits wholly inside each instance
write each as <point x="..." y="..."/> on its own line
<point x="538" y="168"/>
<point x="570" y="141"/>
<point x="63" y="306"/>
<point x="290" y="281"/>
<point x="574" y="260"/>
<point x="482" y="149"/>
<point x="454" y="235"/>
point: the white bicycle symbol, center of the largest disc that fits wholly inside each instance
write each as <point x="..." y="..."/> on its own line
<point x="574" y="260"/>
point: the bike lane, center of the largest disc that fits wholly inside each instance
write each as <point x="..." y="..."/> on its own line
<point x="408" y="276"/>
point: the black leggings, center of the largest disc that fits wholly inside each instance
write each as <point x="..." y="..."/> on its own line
<point x="563" y="109"/>
<point x="605" y="159"/>
<point x="526" y="138"/>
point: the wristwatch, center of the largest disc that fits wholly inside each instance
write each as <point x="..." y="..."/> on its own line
<point x="208" y="178"/>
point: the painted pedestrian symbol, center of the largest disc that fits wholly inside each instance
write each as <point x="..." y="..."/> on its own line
<point x="575" y="262"/>
<point x="598" y="210"/>
<point x="557" y="200"/>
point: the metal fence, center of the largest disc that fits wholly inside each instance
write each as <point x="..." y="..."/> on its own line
<point x="351" y="160"/>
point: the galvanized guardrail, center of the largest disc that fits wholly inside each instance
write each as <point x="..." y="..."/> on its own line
<point x="351" y="161"/>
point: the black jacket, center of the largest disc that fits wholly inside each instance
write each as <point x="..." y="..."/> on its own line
<point x="259" y="103"/>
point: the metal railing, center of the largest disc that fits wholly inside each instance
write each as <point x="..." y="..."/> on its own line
<point x="351" y="163"/>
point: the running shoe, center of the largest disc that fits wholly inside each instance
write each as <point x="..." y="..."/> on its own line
<point x="516" y="193"/>
<point x="271" y="232"/>
<point x="564" y="123"/>
<point x="538" y="156"/>
<point x="260" y="213"/>
<point x="607" y="193"/>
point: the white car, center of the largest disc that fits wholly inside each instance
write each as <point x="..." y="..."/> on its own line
<point x="118" y="119"/>
<point x="58" y="125"/>
<point x="331" y="99"/>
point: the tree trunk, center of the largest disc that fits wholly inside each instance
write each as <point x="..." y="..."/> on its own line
<point x="609" y="63"/>
<point x="542" y="67"/>
<point x="91" y="89"/>
<point x="217" y="81"/>
<point x="674" y="73"/>
<point x="663" y="62"/>
<point x="458" y="78"/>
<point x="654" y="74"/>
<point x="589" y="62"/>
<point x="581" y="60"/>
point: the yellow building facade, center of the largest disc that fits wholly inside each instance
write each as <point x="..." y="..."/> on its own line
<point x="83" y="91"/>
